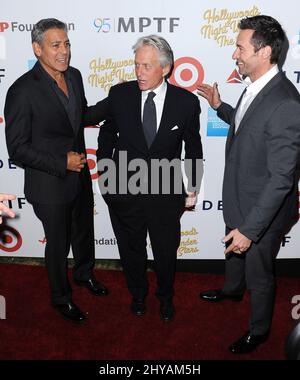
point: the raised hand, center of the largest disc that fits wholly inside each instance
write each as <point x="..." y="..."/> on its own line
<point x="211" y="94"/>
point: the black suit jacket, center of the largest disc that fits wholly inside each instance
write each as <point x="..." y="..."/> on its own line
<point x="39" y="135"/>
<point x="124" y="131"/>
<point x="260" y="189"/>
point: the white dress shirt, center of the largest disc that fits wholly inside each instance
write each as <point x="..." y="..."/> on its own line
<point x="251" y="91"/>
<point x="159" y="101"/>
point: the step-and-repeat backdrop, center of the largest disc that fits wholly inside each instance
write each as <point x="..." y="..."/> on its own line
<point x="202" y="34"/>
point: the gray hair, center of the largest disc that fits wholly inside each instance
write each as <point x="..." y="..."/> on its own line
<point x="164" y="49"/>
<point x="38" y="30"/>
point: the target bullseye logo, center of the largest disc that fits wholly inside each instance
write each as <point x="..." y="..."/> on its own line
<point x="10" y="239"/>
<point x="187" y="73"/>
<point x="91" y="161"/>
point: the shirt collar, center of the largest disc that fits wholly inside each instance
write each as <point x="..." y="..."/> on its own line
<point x="158" y="90"/>
<point x="49" y="77"/>
<point x="255" y="87"/>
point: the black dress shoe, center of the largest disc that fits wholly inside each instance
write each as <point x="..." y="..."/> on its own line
<point x="218" y="295"/>
<point x="166" y="311"/>
<point x="138" y="307"/>
<point x="94" y="286"/>
<point x="70" y="311"/>
<point x="247" y="343"/>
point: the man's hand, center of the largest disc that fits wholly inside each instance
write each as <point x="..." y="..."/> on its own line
<point x="190" y="200"/>
<point x="211" y="94"/>
<point x="76" y="161"/>
<point x="3" y="208"/>
<point x="240" y="243"/>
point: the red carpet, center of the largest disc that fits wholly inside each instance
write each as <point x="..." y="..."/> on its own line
<point x="200" y="331"/>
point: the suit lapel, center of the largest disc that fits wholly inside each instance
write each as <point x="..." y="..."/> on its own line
<point x="77" y="92"/>
<point x="230" y="135"/>
<point x="136" y="124"/>
<point x="49" y="93"/>
<point x="168" y="110"/>
<point x="258" y="99"/>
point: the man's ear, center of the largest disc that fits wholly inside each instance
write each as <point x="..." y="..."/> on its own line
<point x="166" y="70"/>
<point x="37" y="49"/>
<point x="266" y="52"/>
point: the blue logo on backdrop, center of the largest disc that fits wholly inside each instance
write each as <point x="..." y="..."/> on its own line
<point x="215" y="126"/>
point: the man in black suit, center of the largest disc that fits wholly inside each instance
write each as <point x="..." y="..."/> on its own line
<point x="260" y="188"/>
<point x="45" y="114"/>
<point x="149" y="121"/>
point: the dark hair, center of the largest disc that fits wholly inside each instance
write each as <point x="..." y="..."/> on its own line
<point x="38" y="30"/>
<point x="267" y="32"/>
